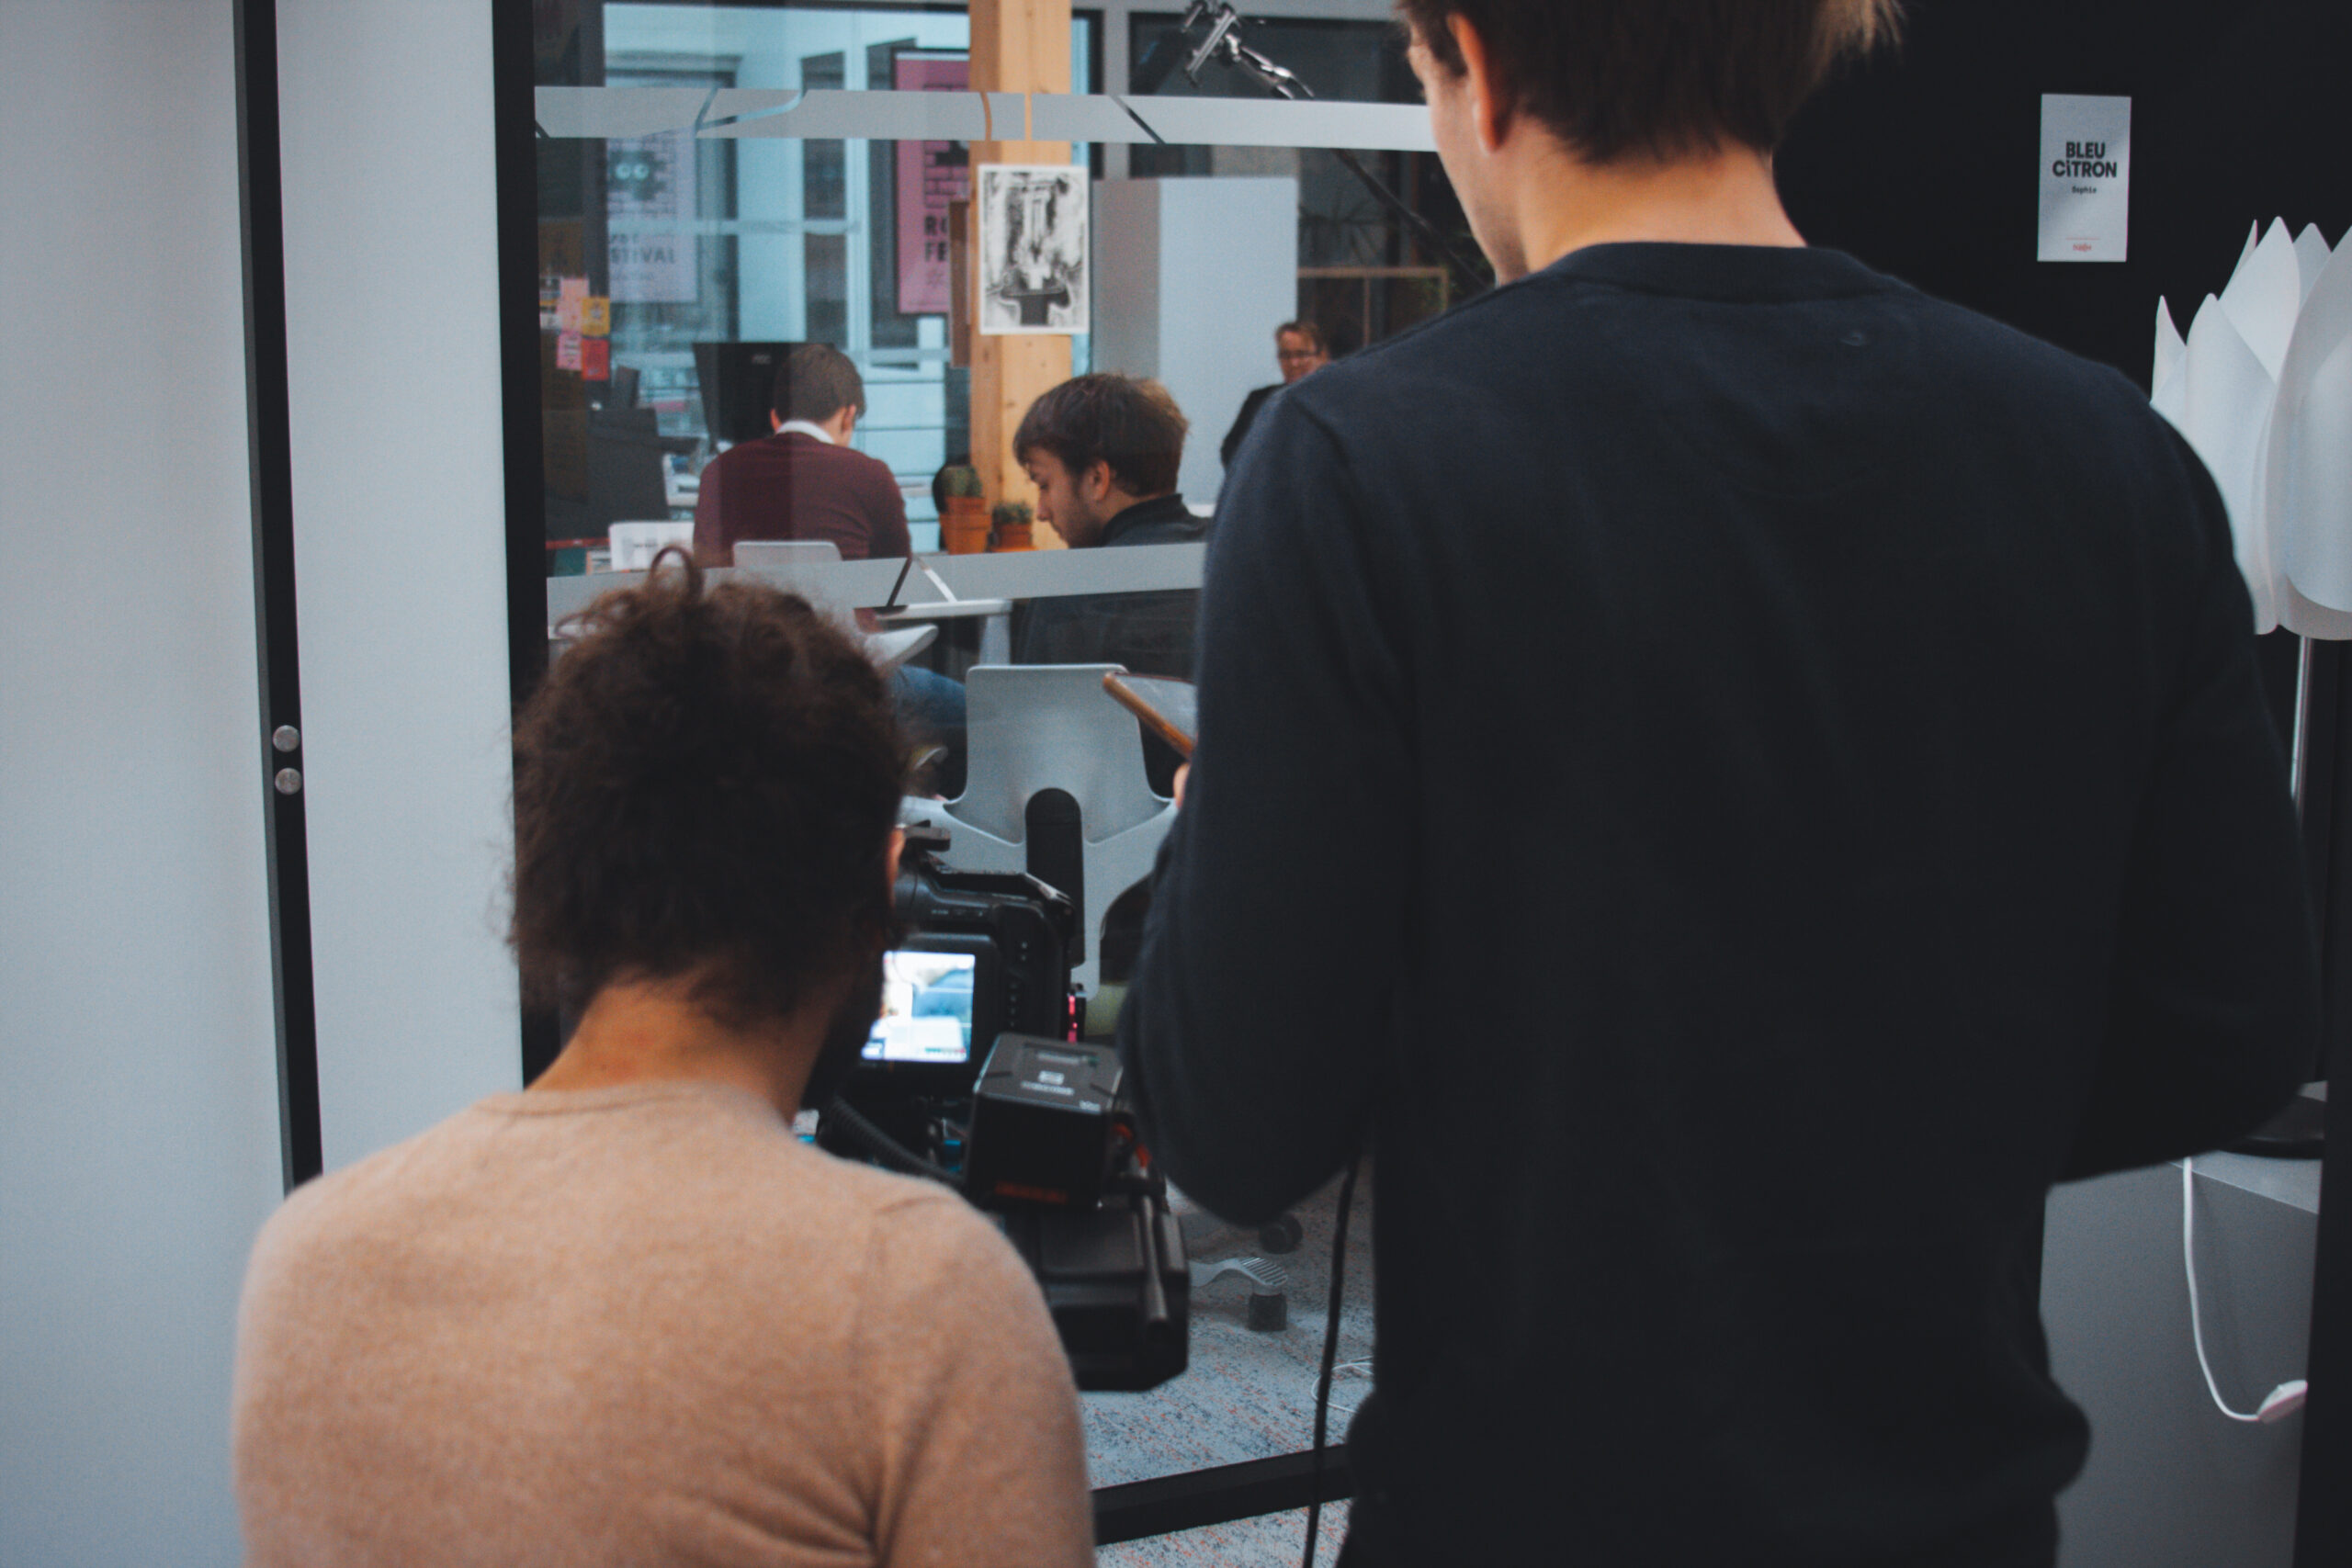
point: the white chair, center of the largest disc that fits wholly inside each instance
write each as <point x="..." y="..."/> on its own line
<point x="1035" y="728"/>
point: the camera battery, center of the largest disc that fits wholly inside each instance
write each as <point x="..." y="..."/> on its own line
<point x="1042" y="1123"/>
<point x="1115" y="1280"/>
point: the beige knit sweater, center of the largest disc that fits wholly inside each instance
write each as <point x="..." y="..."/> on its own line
<point x="646" y="1325"/>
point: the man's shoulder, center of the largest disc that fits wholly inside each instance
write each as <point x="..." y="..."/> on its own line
<point x="795" y="449"/>
<point x="1961" y="340"/>
<point x="678" y="1160"/>
<point x="845" y="460"/>
<point x="1167" y="524"/>
<point x="355" y="1207"/>
<point x="1441" y="370"/>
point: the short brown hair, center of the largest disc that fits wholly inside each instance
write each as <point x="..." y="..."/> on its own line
<point x="815" y="382"/>
<point x="1132" y="425"/>
<point x="1620" y="79"/>
<point x="1307" y="330"/>
<point x="704" y="786"/>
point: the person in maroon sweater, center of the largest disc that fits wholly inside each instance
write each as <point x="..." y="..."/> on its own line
<point x="805" y="481"/>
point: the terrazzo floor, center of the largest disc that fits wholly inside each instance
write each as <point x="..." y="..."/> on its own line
<point x="1246" y="1394"/>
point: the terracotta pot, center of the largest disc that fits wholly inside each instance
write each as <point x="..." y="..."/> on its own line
<point x="964" y="526"/>
<point x="1014" y="536"/>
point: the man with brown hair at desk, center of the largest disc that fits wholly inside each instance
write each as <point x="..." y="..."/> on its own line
<point x="1103" y="452"/>
<point x="805" y="481"/>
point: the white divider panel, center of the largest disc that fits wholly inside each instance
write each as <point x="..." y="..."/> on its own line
<point x="1008" y="575"/>
<point x="828" y="113"/>
<point x="137" y="1073"/>
<point x="391" y="271"/>
<point x="567" y="112"/>
<point x="1232" y="122"/>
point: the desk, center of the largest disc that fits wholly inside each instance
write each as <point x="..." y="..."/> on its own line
<point x="943" y="588"/>
<point x="996" y="615"/>
<point x="955" y="611"/>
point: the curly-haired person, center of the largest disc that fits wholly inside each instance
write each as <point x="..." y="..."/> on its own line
<point x="624" y="1317"/>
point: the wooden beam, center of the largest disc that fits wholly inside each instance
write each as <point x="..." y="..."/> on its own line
<point x="1018" y="46"/>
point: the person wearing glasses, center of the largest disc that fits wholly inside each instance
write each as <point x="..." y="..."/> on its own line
<point x="1300" y="350"/>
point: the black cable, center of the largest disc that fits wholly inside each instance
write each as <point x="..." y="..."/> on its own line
<point x="892" y="601"/>
<point x="1330" y="1348"/>
<point x="884" y="1147"/>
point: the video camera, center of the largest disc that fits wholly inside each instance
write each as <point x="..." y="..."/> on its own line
<point x="972" y="1075"/>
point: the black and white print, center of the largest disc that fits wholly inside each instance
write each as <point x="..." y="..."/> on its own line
<point x="1033" y="245"/>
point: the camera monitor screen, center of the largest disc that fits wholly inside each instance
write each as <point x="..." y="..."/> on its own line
<point x="926" y="1009"/>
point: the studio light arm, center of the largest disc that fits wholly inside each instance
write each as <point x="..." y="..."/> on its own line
<point x="1223" y="41"/>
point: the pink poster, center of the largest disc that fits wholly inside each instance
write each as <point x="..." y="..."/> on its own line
<point x="931" y="176"/>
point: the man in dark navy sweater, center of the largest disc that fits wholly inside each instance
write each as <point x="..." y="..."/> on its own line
<point x="806" y="481"/>
<point x="1736" y="776"/>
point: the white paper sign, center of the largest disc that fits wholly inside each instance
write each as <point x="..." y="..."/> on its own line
<point x="2086" y="178"/>
<point x="1033" y="248"/>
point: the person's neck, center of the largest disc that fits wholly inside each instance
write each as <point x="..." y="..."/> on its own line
<point x="1128" y="503"/>
<point x="638" y="1031"/>
<point x="1725" y="198"/>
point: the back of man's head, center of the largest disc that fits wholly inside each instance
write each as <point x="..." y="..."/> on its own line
<point x="1618" y="80"/>
<point x="815" y="382"/>
<point x="1132" y="425"/>
<point x="704" y="789"/>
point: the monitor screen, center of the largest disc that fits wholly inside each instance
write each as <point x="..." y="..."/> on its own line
<point x="926" y="1009"/>
<point x="738" y="381"/>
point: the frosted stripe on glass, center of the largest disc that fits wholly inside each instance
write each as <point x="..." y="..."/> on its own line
<point x="827" y="114"/>
<point x="566" y="112"/>
<point x="1232" y="122"/>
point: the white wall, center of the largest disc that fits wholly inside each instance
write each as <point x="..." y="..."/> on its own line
<point x="138" y="1078"/>
<point x="399" y="512"/>
<point x="2171" y="1482"/>
<point x="1193" y="277"/>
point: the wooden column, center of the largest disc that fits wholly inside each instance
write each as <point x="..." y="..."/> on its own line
<point x="1018" y="46"/>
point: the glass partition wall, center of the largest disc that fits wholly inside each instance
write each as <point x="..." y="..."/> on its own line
<point x="706" y="228"/>
<point x="708" y="185"/>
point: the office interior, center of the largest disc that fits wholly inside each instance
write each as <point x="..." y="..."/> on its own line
<point x="211" y="975"/>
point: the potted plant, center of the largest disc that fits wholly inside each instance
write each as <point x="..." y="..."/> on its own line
<point x="964" y="520"/>
<point x="1013" y="519"/>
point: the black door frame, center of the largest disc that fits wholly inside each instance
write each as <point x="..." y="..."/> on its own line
<point x="270" y="465"/>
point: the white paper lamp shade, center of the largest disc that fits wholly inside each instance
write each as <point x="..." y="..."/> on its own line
<point x="2308" y="463"/>
<point x="2262" y="389"/>
<point x="2224" y="412"/>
